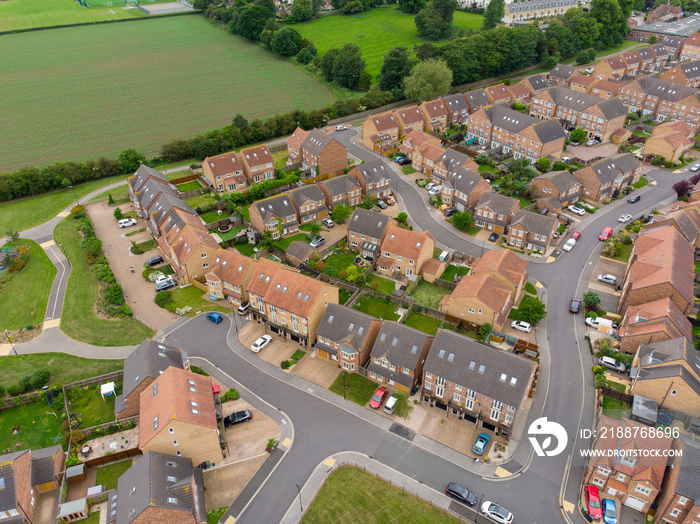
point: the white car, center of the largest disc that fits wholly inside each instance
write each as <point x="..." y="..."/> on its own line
<point x="695" y="167"/>
<point x="430" y="185"/>
<point x="624" y="218"/>
<point x="569" y="245"/>
<point x="162" y="278"/>
<point x="607" y="279"/>
<point x="589" y="70"/>
<point x="328" y="222"/>
<point x="496" y="512"/>
<point x="127" y="222"/>
<point x="260" y="343"/>
<point x="340" y="128"/>
<point x="613" y="364"/>
<point x="521" y="326"/>
<point x="436" y="190"/>
<point x="577" y="210"/>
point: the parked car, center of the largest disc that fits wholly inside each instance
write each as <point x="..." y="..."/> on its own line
<point x="633" y="199"/>
<point x="450" y="211"/>
<point x="328" y="222"/>
<point x="318" y="241"/>
<point x="624" y="218"/>
<point x="378" y="398"/>
<point x="695" y="167"/>
<point x="436" y="190"/>
<point x="389" y="200"/>
<point x="521" y="326"/>
<point x="592" y="142"/>
<point x="576" y="235"/>
<point x="574" y="143"/>
<point x="243" y="308"/>
<point x="613" y="364"/>
<point x="430" y="185"/>
<point x="575" y="305"/>
<point x="154" y="261"/>
<point x="381" y="204"/>
<point x="237" y="417"/>
<point x="493" y="237"/>
<point x="496" y="512"/>
<point x="609" y="511"/>
<point x="340" y="128"/>
<point x="589" y="70"/>
<point x="163" y="278"/>
<point x="260" y="343"/>
<point x="481" y="442"/>
<point x="127" y="222"/>
<point x="215" y="317"/>
<point x="461" y="493"/>
<point x="165" y="284"/>
<point x="593" y="505"/>
<point x="577" y="210"/>
<point x="569" y="245"/>
<point x="405" y="162"/>
<point x="606" y="234"/>
<point x="399" y="159"/>
<point x="607" y="278"/>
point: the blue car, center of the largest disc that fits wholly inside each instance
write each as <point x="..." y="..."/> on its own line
<point x="481" y="442"/>
<point x="399" y="159"/>
<point x="214" y="317"/>
<point x="609" y="511"/>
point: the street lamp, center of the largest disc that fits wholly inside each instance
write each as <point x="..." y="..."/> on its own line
<point x="10" y="341"/>
<point x="75" y="195"/>
<point x="478" y="509"/>
<point x="301" y="505"/>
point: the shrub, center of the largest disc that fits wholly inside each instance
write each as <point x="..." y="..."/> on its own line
<point x="163" y="298"/>
<point x="2" y="391"/>
<point x="40" y="378"/>
<point x="597" y="370"/>
<point x="402" y="217"/>
<point x="343" y="274"/>
<point x="118" y="213"/>
<point x="77" y="211"/>
<point x="286" y="364"/>
<point x="73" y="460"/>
<point x="231" y="394"/>
<point x="14" y="390"/>
<point x="600" y="381"/>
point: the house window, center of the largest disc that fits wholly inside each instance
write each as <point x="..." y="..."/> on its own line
<point x="621" y="477"/>
<point x="642" y="489"/>
<point x="176" y="443"/>
<point x="457" y="397"/>
<point x="497" y="404"/>
<point x="178" y="453"/>
<point x="204" y="255"/>
<point x="598" y="482"/>
<point x="472" y="310"/>
<point x="674" y="393"/>
<point x="170" y="478"/>
<point x="195" y="411"/>
<point x="133" y="489"/>
<point x="458" y="387"/>
<point x="428" y="375"/>
<point x="509" y="419"/>
<point x="172" y="500"/>
<point x="495" y="414"/>
<point x="171" y="430"/>
<point x="675" y="512"/>
<point x="681" y="500"/>
<point x="193" y="403"/>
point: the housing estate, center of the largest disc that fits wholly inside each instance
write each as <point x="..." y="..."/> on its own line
<point x="606" y="178"/>
<point x="531" y="9"/>
<point x="229" y="275"/>
<point x="346" y="335"/>
<point x="531" y="231"/>
<point x="366" y="231"/>
<point x="404" y="252"/>
<point x="224" y="173"/>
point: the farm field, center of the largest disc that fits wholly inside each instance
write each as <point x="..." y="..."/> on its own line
<point x="375" y="31"/>
<point x="82" y="92"/>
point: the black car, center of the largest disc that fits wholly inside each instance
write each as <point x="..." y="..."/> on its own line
<point x="381" y="204"/>
<point x="461" y="493"/>
<point x="633" y="199"/>
<point x="575" y="305"/>
<point x="154" y="261"/>
<point x="405" y="162"/>
<point x="493" y="237"/>
<point x="450" y="211"/>
<point x="237" y="417"/>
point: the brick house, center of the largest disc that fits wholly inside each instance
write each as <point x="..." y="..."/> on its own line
<point x="276" y="214"/>
<point x="647" y="60"/>
<point x="299" y="252"/>
<point x="633" y="62"/>
<point x="426" y="157"/>
<point x="667" y="373"/>
<point x="457" y="108"/>
<point x="159" y="488"/>
<point x="435" y="115"/>
<point x="141" y="368"/>
<point x="685" y="219"/>
<point x="505" y="266"/>
<point x="310" y="203"/>
<point x="381" y="132"/>
<point x="178" y="416"/>
<point x="17" y="500"/>
<point x="323" y="155"/>
<point x="479" y="299"/>
<point x="414" y="140"/>
<point x="463" y="189"/>
<point x="561" y="185"/>
<point x="670" y="140"/>
<point x="229" y="276"/>
<point x="398" y="355"/>
<point x="531" y="231"/>
<point x="409" y="119"/>
<point x="294" y="142"/>
<point x="499" y="94"/>
<point x="404" y="252"/>
<point x="519" y="93"/>
<point x="634" y="480"/>
<point x="374" y="178"/>
<point x="612" y="68"/>
<point x="366" y="231"/>
<point x="477" y="99"/>
<point x="47" y="468"/>
<point x="476" y="382"/>
<point x="643" y="94"/>
<point x="581" y="83"/>
<point x="534" y="84"/>
<point x="257" y="163"/>
<point x="145" y="186"/>
<point x="690" y="51"/>
<point x="494" y="212"/>
<point x="679" y="501"/>
<point x="225" y="173"/>
<point x="343" y="189"/>
<point x="679" y="103"/>
<point x="346" y="335"/>
<point x="661" y="56"/>
<point x="660" y="266"/>
<point x="605" y="88"/>
<point x="449" y="162"/>
<point x="687" y="74"/>
<point x="654" y="321"/>
<point x="665" y="13"/>
<point x="190" y="253"/>
<point x="601" y="180"/>
<point x="561" y="74"/>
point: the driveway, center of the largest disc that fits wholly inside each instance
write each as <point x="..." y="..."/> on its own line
<point x="609" y="296"/>
<point x="276" y="351"/>
<point x="587" y="153"/>
<point x="248" y="439"/>
<point x="225" y="483"/>
<point x="317" y="370"/>
<point x="138" y="292"/>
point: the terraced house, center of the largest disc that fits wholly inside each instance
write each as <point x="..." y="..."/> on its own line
<point x="457" y="108"/>
<point x="310" y="203"/>
<point x="531" y="231"/>
<point x="477" y="99"/>
<point x="373" y="177"/>
<point x="323" y="155"/>
<point x="687" y="74"/>
<point x="654" y="321"/>
<point x="366" y="231"/>
<point x="190" y="253"/>
<point x="404" y="252"/>
<point x="225" y="173"/>
<point x="680" y="103"/>
<point x="498" y="94"/>
<point x="561" y="74"/>
<point x="463" y="189"/>
<point x="347" y="336"/>
<point x="17" y="502"/>
<point x="145" y="186"/>
<point x="257" y="163"/>
<point x="612" y="68"/>
<point x="494" y="212"/>
<point x="679" y="501"/>
<point x="644" y="94"/>
<point x="475" y="382"/>
<point x="691" y="48"/>
<point x="381" y="132"/>
<point x="276" y="214"/>
<point x="601" y="180"/>
<point x="414" y="140"/>
<point x="449" y="162"/>
<point x="409" y="119"/>
<point x="561" y="185"/>
<point x="229" y="276"/>
<point x="534" y="84"/>
<point x="435" y="116"/>
<point x="343" y="189"/>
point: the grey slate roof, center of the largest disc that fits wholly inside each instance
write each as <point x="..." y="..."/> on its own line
<point x="612" y="167"/>
<point x="463" y="180"/>
<point x="455" y="103"/>
<point x="280" y="206"/>
<point x="308" y="193"/>
<point x="673" y="370"/>
<point x="562" y="72"/>
<point x="399" y="344"/>
<point x="549" y="130"/>
<point x="368" y="223"/>
<point x="499" y="204"/>
<point x="316" y="141"/>
<point x="532" y="5"/>
<point x="645" y="54"/>
<point x="688" y="481"/>
<point x="659" y="50"/>
<point x="300" y="249"/>
<point x="340" y="184"/>
<point x="164" y="203"/>
<point x="653" y="85"/>
<point x="340" y="323"/>
<point x="372" y="172"/>
<point x="453" y="159"/>
<point x="8" y="495"/>
<point x="142" y="174"/>
<point x="537" y="82"/>
<point x="612" y="108"/>
<point x="503" y="116"/>
<point x="534" y="222"/>
<point x="176" y="221"/>
<point x="44" y="464"/>
<point x="680" y="28"/>
<point x="676" y="92"/>
<point x="566" y="97"/>
<point x="562" y="180"/>
<point x="477" y="98"/>
<point x="149" y="359"/>
<point x="157" y="477"/>
<point x="476" y="366"/>
<point x="150" y="191"/>
<point x="669" y="351"/>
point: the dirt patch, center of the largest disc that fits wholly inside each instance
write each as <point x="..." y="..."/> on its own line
<point x="21" y="335"/>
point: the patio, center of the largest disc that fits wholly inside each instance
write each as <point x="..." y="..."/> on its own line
<point x="109" y="444"/>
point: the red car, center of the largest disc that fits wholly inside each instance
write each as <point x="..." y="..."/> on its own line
<point x="593" y="502"/>
<point x="378" y="398"/>
<point x="576" y="235"/>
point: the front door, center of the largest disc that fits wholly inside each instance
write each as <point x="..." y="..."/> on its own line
<point x="409" y="271"/>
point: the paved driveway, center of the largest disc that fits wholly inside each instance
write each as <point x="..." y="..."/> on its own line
<point x="609" y="296"/>
<point x="317" y="370"/>
<point x="248" y="439"/>
<point x="586" y="153"/>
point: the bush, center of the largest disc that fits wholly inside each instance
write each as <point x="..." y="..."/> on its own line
<point x="118" y="213"/>
<point x="14" y="390"/>
<point x="40" y="378"/>
<point x="231" y="394"/>
<point x="402" y="217"/>
<point x="163" y="298"/>
<point x="286" y="364"/>
<point x="600" y="381"/>
<point x="2" y="391"/>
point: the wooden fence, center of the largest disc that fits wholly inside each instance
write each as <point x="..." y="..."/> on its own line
<point x="115" y="375"/>
<point x="114" y="457"/>
<point x="617" y="395"/>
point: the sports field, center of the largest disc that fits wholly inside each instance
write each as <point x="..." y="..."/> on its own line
<point x="81" y="92"/>
<point x="375" y="31"/>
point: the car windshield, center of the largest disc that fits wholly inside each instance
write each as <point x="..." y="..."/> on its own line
<point x="610" y="510"/>
<point x="376" y="398"/>
<point x="594" y="503"/>
<point x="498" y="509"/>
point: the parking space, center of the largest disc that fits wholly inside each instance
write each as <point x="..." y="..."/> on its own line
<point x="334" y="234"/>
<point x="609" y="295"/>
<point x="317" y="370"/>
<point x="225" y="483"/>
<point x="248" y="439"/>
<point x="276" y="351"/>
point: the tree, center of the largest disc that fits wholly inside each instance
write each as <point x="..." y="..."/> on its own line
<point x="434" y="21"/>
<point x="495" y="12"/>
<point x="402" y="408"/>
<point x="462" y="221"/>
<point x="341" y="212"/>
<point x="240" y="122"/>
<point x="485" y="331"/>
<point x="343" y="66"/>
<point x="130" y="160"/>
<point x="482" y="158"/>
<point x="578" y="135"/>
<point x="591" y="300"/>
<point x="613" y="22"/>
<point x="314" y="229"/>
<point x="653" y="39"/>
<point x="286" y="42"/>
<point x="402" y="217"/>
<point x="682" y="187"/>
<point x="429" y="80"/>
<point x="304" y="56"/>
<point x="356" y="274"/>
<point x="12" y="236"/>
<point x="586" y="56"/>
<point x="532" y="310"/>
<point x="560" y="166"/>
<point x="543" y="164"/>
<point x="411" y="6"/>
<point x="250" y="22"/>
<point x="302" y="10"/>
<point x="396" y="66"/>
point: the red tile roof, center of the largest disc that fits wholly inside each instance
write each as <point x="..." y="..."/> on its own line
<point x="230" y="267"/>
<point x="482" y="287"/>
<point x="384" y="121"/>
<point x="222" y="164"/>
<point x="405" y="243"/>
<point x="297" y="138"/>
<point x="256" y="156"/>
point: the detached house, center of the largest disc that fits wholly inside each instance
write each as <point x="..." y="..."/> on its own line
<point x="449" y="162"/>
<point x="310" y="203"/>
<point x="687" y="74"/>
<point x="475" y="382"/>
<point x="276" y="214"/>
<point x="294" y="142"/>
<point x="691" y="48"/>
<point x="366" y="231"/>
<point x="561" y="185"/>
<point x="426" y="158"/>
<point x="323" y="155"/>
<point x="343" y="189"/>
<point x="531" y="231"/>
<point x="505" y="266"/>
<point x="435" y="116"/>
<point x="409" y="119"/>
<point x="494" y="212"/>
<point x="225" y="173"/>
<point x="463" y="189"/>
<point x="381" y="132"/>
<point x="605" y="88"/>
<point x="654" y="321"/>
<point x="479" y="299"/>
<point x="398" y="355"/>
<point x="229" y="276"/>
<point x="601" y="181"/>
<point x="404" y="252"/>
<point x="457" y="108"/>
<point x="191" y="252"/>
<point x="346" y="336"/>
<point x="670" y="140"/>
<point x="414" y="140"/>
<point x="257" y="163"/>
<point x="477" y="99"/>
<point x="374" y="177"/>
<point x="679" y="501"/>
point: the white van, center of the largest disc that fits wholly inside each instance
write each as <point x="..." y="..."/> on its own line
<point x="444" y="256"/>
<point x="389" y="406"/>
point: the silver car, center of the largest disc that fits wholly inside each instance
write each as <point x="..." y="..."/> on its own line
<point x="577" y="210"/>
<point x="613" y="364"/>
<point x="607" y="278"/>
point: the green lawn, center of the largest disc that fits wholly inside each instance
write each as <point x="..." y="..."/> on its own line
<point x="375" y="31"/>
<point x="229" y="234"/>
<point x="514" y="314"/>
<point x="642" y="182"/>
<point x="425" y="323"/>
<point x="337" y="263"/>
<point x="352" y="496"/>
<point x="189" y="186"/>
<point x="343" y="295"/>
<point x="107" y="476"/>
<point x="625" y="253"/>
<point x="452" y="271"/>
<point x="697" y="266"/>
<point x="377" y="308"/>
<point x="64" y="368"/>
<point x="88" y="405"/>
<point x="78" y="319"/>
<point x="245" y="213"/>
<point x="429" y="295"/>
<point x="530" y="288"/>
<point x="359" y="390"/>
<point x="642" y="134"/>
<point x="38" y="427"/>
<point x="191" y="296"/>
<point x="486" y="168"/>
<point x="23" y="299"/>
<point x="246" y="249"/>
<point x="284" y="243"/>
<point x="143" y="247"/>
<point x="201" y="200"/>
<point x="614" y="408"/>
<point x="616" y="385"/>
<point x="215" y="515"/>
<point x="106" y="124"/>
<point x="386" y="286"/>
<point x="213" y="216"/>
<point x="408" y="170"/>
<point x="94" y="517"/>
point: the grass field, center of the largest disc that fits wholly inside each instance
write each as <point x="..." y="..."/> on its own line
<point x="23" y="299"/>
<point x="375" y="31"/>
<point x="38" y="427"/>
<point x="115" y="74"/>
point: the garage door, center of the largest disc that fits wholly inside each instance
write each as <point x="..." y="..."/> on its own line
<point x="634" y="503"/>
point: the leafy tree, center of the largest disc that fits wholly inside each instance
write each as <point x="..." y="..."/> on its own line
<point x="485" y="331"/>
<point x="269" y="5"/>
<point x="682" y="187"/>
<point x="591" y="300"/>
<point x="495" y="12"/>
<point x="302" y="10"/>
<point x="304" y="56"/>
<point x="543" y="164"/>
<point x="613" y="22"/>
<point x="344" y="66"/>
<point x="314" y="229"/>
<point x="250" y="21"/>
<point x="411" y="6"/>
<point x="550" y="61"/>
<point x="402" y="408"/>
<point x="429" y="80"/>
<point x="462" y="220"/>
<point x="402" y="217"/>
<point x="130" y="160"/>
<point x="356" y="274"/>
<point x="118" y="213"/>
<point x="586" y="56"/>
<point x="12" y="236"/>
<point x="286" y="42"/>
<point x="434" y="21"/>
<point x="327" y="64"/>
<point x="482" y="158"/>
<point x="240" y="122"/>
<point x="653" y="39"/>
<point x="341" y="212"/>
<point x="397" y="66"/>
<point x="560" y="166"/>
<point x="532" y="310"/>
<point x="578" y="135"/>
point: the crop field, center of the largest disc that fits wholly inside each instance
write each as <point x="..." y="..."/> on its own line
<point x="82" y="92"/>
<point x="375" y="31"/>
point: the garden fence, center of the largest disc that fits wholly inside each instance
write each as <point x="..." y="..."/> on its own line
<point x="115" y="375"/>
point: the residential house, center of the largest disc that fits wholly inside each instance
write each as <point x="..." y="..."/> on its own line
<point x="47" y="468"/>
<point x="435" y="116"/>
<point x="17" y="500"/>
<point x="191" y="252"/>
<point x="366" y="231"/>
<point x="675" y="32"/>
<point x="478" y="300"/>
<point x="654" y="321"/>
<point x="409" y="119"/>
<point x="177" y="415"/>
<point x="141" y="368"/>
<point x="685" y="219"/>
<point x="665" y="13"/>
<point x="225" y="173"/>
<point x="644" y="94"/>
<point x="670" y="140"/>
<point x="561" y="185"/>
<point x="346" y="335"/>
<point x="531" y="231"/>
<point x="581" y="83"/>
<point x="505" y="266"/>
<point x="679" y="501"/>
<point x="494" y="212"/>
<point x="258" y="164"/>
<point x="414" y="140"/>
<point x="294" y="142"/>
<point x="229" y="276"/>
<point x="398" y="355"/>
<point x="499" y="94"/>
<point x="661" y="54"/>
<point x="678" y="103"/>
<point x="374" y="177"/>
<point x="343" y="189"/>
<point x="477" y="99"/>
<point x="605" y="89"/>
<point x="404" y="252"/>
<point x="168" y="215"/>
<point x="310" y="203"/>
<point x="463" y="189"/>
<point x="145" y="186"/>
<point x="520" y="94"/>
<point x="660" y="266"/>
<point x="451" y="160"/>
<point x="517" y="12"/>
<point x="635" y="477"/>
<point x="647" y="59"/>
<point x="690" y="51"/>
<point x="159" y="488"/>
<point x="477" y="383"/>
<point x="604" y="179"/>
<point x="633" y="63"/>
<point x="300" y="252"/>
<point x="276" y="214"/>
<point x="323" y="155"/>
<point x="426" y="157"/>
<point x="457" y="108"/>
<point x="534" y="84"/>
<point x="561" y="74"/>
<point x="686" y="73"/>
<point x="381" y="132"/>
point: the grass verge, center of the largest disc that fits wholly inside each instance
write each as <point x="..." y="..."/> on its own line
<point x="359" y="389"/>
<point x="642" y="182"/>
<point x="530" y="288"/>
